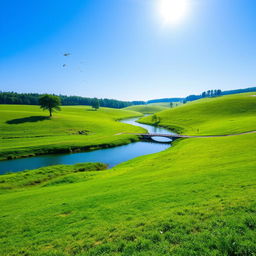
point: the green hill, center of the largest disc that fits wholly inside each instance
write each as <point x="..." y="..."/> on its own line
<point x="223" y="115"/>
<point x="27" y="130"/>
<point x="149" y="108"/>
<point x="196" y="198"/>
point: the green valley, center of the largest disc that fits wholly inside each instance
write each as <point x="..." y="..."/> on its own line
<point x="128" y="128"/>
<point x="195" y="198"/>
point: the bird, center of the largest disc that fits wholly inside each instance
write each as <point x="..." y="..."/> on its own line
<point x="64" y="65"/>
<point x="67" y="54"/>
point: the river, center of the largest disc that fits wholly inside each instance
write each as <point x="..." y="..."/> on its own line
<point x="110" y="156"/>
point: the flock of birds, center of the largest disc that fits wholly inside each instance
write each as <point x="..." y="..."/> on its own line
<point x="67" y="54"/>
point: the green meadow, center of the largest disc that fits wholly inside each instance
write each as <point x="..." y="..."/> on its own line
<point x="196" y="198"/>
<point x="214" y="116"/>
<point x="28" y="131"/>
<point x="150" y="108"/>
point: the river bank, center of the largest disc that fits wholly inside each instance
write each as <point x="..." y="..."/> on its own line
<point x="110" y="154"/>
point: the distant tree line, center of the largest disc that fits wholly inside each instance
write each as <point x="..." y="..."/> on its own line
<point x="33" y="99"/>
<point x="216" y="93"/>
<point x="209" y="93"/>
<point x="206" y="94"/>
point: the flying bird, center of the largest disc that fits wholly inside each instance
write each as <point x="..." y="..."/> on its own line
<point x="67" y="54"/>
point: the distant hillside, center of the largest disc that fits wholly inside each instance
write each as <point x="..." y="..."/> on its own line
<point x="153" y="107"/>
<point x="250" y="89"/>
<point x="235" y="114"/>
<point x="165" y="100"/>
<point x="148" y="109"/>
<point x="197" y="97"/>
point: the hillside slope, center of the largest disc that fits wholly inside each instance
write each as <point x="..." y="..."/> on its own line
<point x="27" y="130"/>
<point x="149" y="108"/>
<point x="223" y="115"/>
<point x="196" y="198"/>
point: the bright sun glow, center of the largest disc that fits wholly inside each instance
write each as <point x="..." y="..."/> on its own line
<point x="173" y="11"/>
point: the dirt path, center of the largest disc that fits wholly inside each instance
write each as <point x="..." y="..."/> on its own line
<point x="214" y="136"/>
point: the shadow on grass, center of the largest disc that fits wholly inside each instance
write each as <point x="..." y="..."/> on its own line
<point x="30" y="119"/>
<point x="91" y="109"/>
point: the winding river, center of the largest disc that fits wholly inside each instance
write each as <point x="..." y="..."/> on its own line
<point x="110" y="156"/>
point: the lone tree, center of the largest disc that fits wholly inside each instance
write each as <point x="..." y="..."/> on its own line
<point x="50" y="103"/>
<point x="155" y="119"/>
<point x="95" y="104"/>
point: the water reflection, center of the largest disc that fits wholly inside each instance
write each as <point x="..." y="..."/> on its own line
<point x="149" y="128"/>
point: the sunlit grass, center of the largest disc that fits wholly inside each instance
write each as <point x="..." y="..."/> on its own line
<point x="196" y="198"/>
<point x="152" y="108"/>
<point x="26" y="130"/>
<point x="223" y="115"/>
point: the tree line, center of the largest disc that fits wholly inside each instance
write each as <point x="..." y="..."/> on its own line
<point x="206" y="94"/>
<point x="209" y="93"/>
<point x="33" y="99"/>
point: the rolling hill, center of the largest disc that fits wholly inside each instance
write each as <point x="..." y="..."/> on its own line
<point x="222" y="115"/>
<point x="27" y="130"/>
<point x="195" y="198"/>
<point x="151" y="108"/>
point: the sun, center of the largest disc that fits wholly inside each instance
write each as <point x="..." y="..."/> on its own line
<point x="173" y="11"/>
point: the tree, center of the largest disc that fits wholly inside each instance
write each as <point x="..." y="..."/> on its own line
<point x="95" y="103"/>
<point x="50" y="103"/>
<point x="154" y="119"/>
<point x="171" y="105"/>
<point x="218" y="92"/>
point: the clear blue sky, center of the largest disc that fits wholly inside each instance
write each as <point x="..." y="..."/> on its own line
<point x="119" y="48"/>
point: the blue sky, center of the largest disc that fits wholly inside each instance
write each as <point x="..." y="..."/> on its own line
<point x="119" y="48"/>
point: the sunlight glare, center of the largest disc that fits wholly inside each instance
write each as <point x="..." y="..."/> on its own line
<point x="173" y="11"/>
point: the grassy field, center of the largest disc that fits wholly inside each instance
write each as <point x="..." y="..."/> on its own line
<point x="46" y="176"/>
<point x="27" y="130"/>
<point x="223" y="115"/>
<point x="152" y="108"/>
<point x="197" y="198"/>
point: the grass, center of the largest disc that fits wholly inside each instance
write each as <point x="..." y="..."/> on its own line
<point x="27" y="131"/>
<point x="151" y="108"/>
<point x="196" y="198"/>
<point x="224" y="115"/>
<point x="46" y="176"/>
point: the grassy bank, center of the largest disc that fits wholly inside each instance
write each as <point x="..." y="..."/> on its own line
<point x="27" y="131"/>
<point x="51" y="175"/>
<point x="196" y="198"/>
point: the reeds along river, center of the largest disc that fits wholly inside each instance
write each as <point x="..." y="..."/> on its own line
<point x="110" y="156"/>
